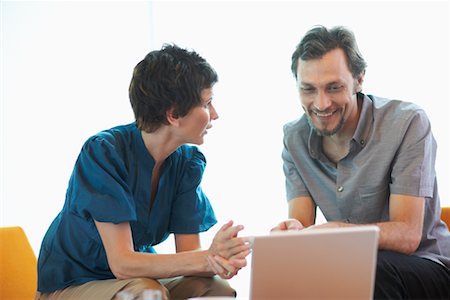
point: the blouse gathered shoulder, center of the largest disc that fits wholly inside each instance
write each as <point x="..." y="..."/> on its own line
<point x="111" y="182"/>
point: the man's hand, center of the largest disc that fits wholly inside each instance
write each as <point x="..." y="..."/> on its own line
<point x="289" y="224"/>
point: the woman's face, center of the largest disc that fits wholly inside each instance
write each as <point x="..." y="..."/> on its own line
<point x="196" y="123"/>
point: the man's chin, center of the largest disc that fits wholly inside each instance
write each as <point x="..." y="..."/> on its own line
<point x="324" y="131"/>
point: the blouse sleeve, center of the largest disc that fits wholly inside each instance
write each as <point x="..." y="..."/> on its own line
<point x="98" y="187"/>
<point x="192" y="211"/>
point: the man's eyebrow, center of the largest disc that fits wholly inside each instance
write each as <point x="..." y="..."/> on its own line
<point x="302" y="83"/>
<point x="334" y="82"/>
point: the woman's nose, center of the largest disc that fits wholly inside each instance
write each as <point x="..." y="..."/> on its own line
<point x="213" y="113"/>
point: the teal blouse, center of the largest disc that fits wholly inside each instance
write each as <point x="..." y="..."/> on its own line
<point x="111" y="182"/>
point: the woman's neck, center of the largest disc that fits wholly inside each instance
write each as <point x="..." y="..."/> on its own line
<point x="160" y="143"/>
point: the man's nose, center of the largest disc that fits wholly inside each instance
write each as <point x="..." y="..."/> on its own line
<point x="322" y="101"/>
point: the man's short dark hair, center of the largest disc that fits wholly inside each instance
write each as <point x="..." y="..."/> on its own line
<point x="319" y="40"/>
<point x="168" y="78"/>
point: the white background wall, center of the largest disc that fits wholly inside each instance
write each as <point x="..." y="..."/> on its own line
<point x="66" y="67"/>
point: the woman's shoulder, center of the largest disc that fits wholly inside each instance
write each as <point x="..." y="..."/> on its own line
<point x="116" y="133"/>
<point x="191" y="154"/>
<point x="113" y="137"/>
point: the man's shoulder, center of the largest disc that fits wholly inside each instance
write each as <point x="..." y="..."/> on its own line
<point x="297" y="126"/>
<point x="394" y="108"/>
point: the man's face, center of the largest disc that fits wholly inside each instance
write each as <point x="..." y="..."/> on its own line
<point x="327" y="91"/>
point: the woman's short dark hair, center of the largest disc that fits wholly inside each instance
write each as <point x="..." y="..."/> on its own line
<point x="168" y="78"/>
<point x="319" y="40"/>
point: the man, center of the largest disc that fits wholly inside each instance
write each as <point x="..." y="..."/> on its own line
<point x="365" y="160"/>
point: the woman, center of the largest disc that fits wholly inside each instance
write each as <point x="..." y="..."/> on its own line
<point x="132" y="186"/>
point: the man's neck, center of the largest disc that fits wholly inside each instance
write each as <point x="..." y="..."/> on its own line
<point x="337" y="145"/>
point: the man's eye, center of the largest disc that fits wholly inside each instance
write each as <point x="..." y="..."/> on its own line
<point x="335" y="88"/>
<point x="307" y="89"/>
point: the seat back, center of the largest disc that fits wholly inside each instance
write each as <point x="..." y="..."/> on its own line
<point x="18" y="266"/>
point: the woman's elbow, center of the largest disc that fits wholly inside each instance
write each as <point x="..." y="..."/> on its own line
<point x="121" y="266"/>
<point x="119" y="271"/>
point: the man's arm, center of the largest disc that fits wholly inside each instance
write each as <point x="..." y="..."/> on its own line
<point x="302" y="214"/>
<point x="303" y="209"/>
<point x="403" y="232"/>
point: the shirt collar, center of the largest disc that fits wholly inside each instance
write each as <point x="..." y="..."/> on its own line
<point x="365" y="121"/>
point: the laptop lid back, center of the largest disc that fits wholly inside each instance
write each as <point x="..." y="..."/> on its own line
<point x="335" y="263"/>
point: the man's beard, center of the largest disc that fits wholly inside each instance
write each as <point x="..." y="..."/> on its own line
<point x="325" y="132"/>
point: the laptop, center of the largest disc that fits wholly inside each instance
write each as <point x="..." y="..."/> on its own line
<point x="333" y="263"/>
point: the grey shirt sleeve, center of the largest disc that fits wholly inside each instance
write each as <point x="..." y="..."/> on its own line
<point x="413" y="166"/>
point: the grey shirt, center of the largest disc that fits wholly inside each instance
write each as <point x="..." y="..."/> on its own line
<point x="392" y="151"/>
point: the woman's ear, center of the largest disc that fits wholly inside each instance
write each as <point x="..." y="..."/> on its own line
<point x="172" y="117"/>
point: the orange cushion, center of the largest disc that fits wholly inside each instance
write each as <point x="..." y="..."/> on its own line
<point x="445" y="215"/>
<point x="18" y="266"/>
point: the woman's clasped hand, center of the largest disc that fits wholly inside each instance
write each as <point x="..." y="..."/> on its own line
<point x="228" y="252"/>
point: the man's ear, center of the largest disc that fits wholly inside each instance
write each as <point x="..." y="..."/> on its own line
<point x="172" y="117"/>
<point x="359" y="81"/>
